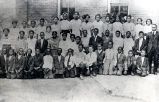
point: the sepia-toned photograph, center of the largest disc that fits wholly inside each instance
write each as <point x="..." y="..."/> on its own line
<point x="79" y="51"/>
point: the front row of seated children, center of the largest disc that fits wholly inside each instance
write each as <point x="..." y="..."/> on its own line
<point x="100" y="62"/>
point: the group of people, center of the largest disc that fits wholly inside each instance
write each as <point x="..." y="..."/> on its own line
<point x="77" y="48"/>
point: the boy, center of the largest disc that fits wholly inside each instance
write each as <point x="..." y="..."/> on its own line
<point x="42" y="43"/>
<point x="91" y="62"/>
<point x="128" y="43"/>
<point x="10" y="70"/>
<point x="80" y="61"/>
<point x="109" y="60"/>
<point x="130" y="68"/>
<point x="53" y="43"/>
<point x="70" y="63"/>
<point x="58" y="64"/>
<point x="29" y="65"/>
<point x="106" y="38"/>
<point x="31" y="41"/>
<point x="120" y="61"/>
<point x="140" y="44"/>
<point x="142" y="64"/>
<point x="118" y="41"/>
<point x="94" y="40"/>
<point x="48" y="65"/>
<point x="64" y="44"/>
<point x="38" y="63"/>
<point x="21" y="42"/>
<point x="100" y="59"/>
<point x="20" y="63"/>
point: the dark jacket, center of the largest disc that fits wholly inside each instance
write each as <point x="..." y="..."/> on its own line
<point x="43" y="47"/>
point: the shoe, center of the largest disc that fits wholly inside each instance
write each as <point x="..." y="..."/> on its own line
<point x="81" y="77"/>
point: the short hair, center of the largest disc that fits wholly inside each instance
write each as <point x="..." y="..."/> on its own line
<point x="129" y="16"/>
<point x="22" y="32"/>
<point x="118" y="31"/>
<point x="81" y="45"/>
<point x="120" y="47"/>
<point x="110" y="42"/>
<point x="48" y="27"/>
<point x="64" y="34"/>
<point x="42" y="33"/>
<point x="72" y="35"/>
<point x="155" y="24"/>
<point x="76" y="13"/>
<point x="128" y="32"/>
<point x="42" y="19"/>
<point x="29" y="49"/>
<point x="141" y="32"/>
<point x="55" y="17"/>
<point x="54" y="32"/>
<point x="149" y="20"/>
<point x="78" y="37"/>
<point x="130" y="51"/>
<point x="140" y="19"/>
<point x="98" y="15"/>
<point x="33" y="21"/>
<point x="14" y="21"/>
<point x="6" y="29"/>
<point x="31" y="31"/>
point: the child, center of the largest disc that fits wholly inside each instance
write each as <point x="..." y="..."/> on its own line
<point x="48" y="65"/>
<point x="91" y="62"/>
<point x="38" y="63"/>
<point x="128" y="43"/>
<point x="118" y="41"/>
<point x="109" y="60"/>
<point x="100" y="58"/>
<point x="142" y="64"/>
<point x="31" y="41"/>
<point x="106" y="38"/>
<point x="20" y="63"/>
<point x="120" y="61"/>
<point x="130" y="67"/>
<point x="48" y="32"/>
<point x="10" y="70"/>
<point x="58" y="64"/>
<point x="95" y="39"/>
<point x="70" y="63"/>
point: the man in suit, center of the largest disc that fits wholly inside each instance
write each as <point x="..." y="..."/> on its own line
<point x="58" y="63"/>
<point x="38" y="63"/>
<point x="94" y="40"/>
<point x="20" y="63"/>
<point x="3" y="64"/>
<point x="29" y="65"/>
<point x="152" y="42"/>
<point x="140" y="44"/>
<point x="42" y="43"/>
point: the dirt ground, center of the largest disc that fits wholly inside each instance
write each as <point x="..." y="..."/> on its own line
<point x="96" y="89"/>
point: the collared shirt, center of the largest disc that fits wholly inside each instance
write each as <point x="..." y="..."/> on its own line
<point x="142" y="60"/>
<point x="107" y="26"/>
<point x="147" y="28"/>
<point x="140" y="42"/>
<point x="129" y="27"/>
<point x="48" y="61"/>
<point x="87" y="26"/>
<point x="75" y="26"/>
<point x="64" y="45"/>
<point x="31" y="44"/>
<point x="71" y="62"/>
<point x="54" y="43"/>
<point x="91" y="58"/>
<point x="109" y="54"/>
<point x="65" y="25"/>
<point x="57" y="28"/>
<point x="117" y="26"/>
<point x="80" y="58"/>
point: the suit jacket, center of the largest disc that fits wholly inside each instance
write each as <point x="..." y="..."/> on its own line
<point x="29" y="63"/>
<point x="41" y="47"/>
<point x="136" y="46"/>
<point x="145" y="63"/>
<point x="3" y="63"/>
<point x="58" y="65"/>
<point x="11" y="64"/>
<point x="121" y="60"/>
<point x="100" y="57"/>
<point x="20" y="63"/>
<point x="94" y="42"/>
<point x="38" y="60"/>
<point x="152" y="41"/>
